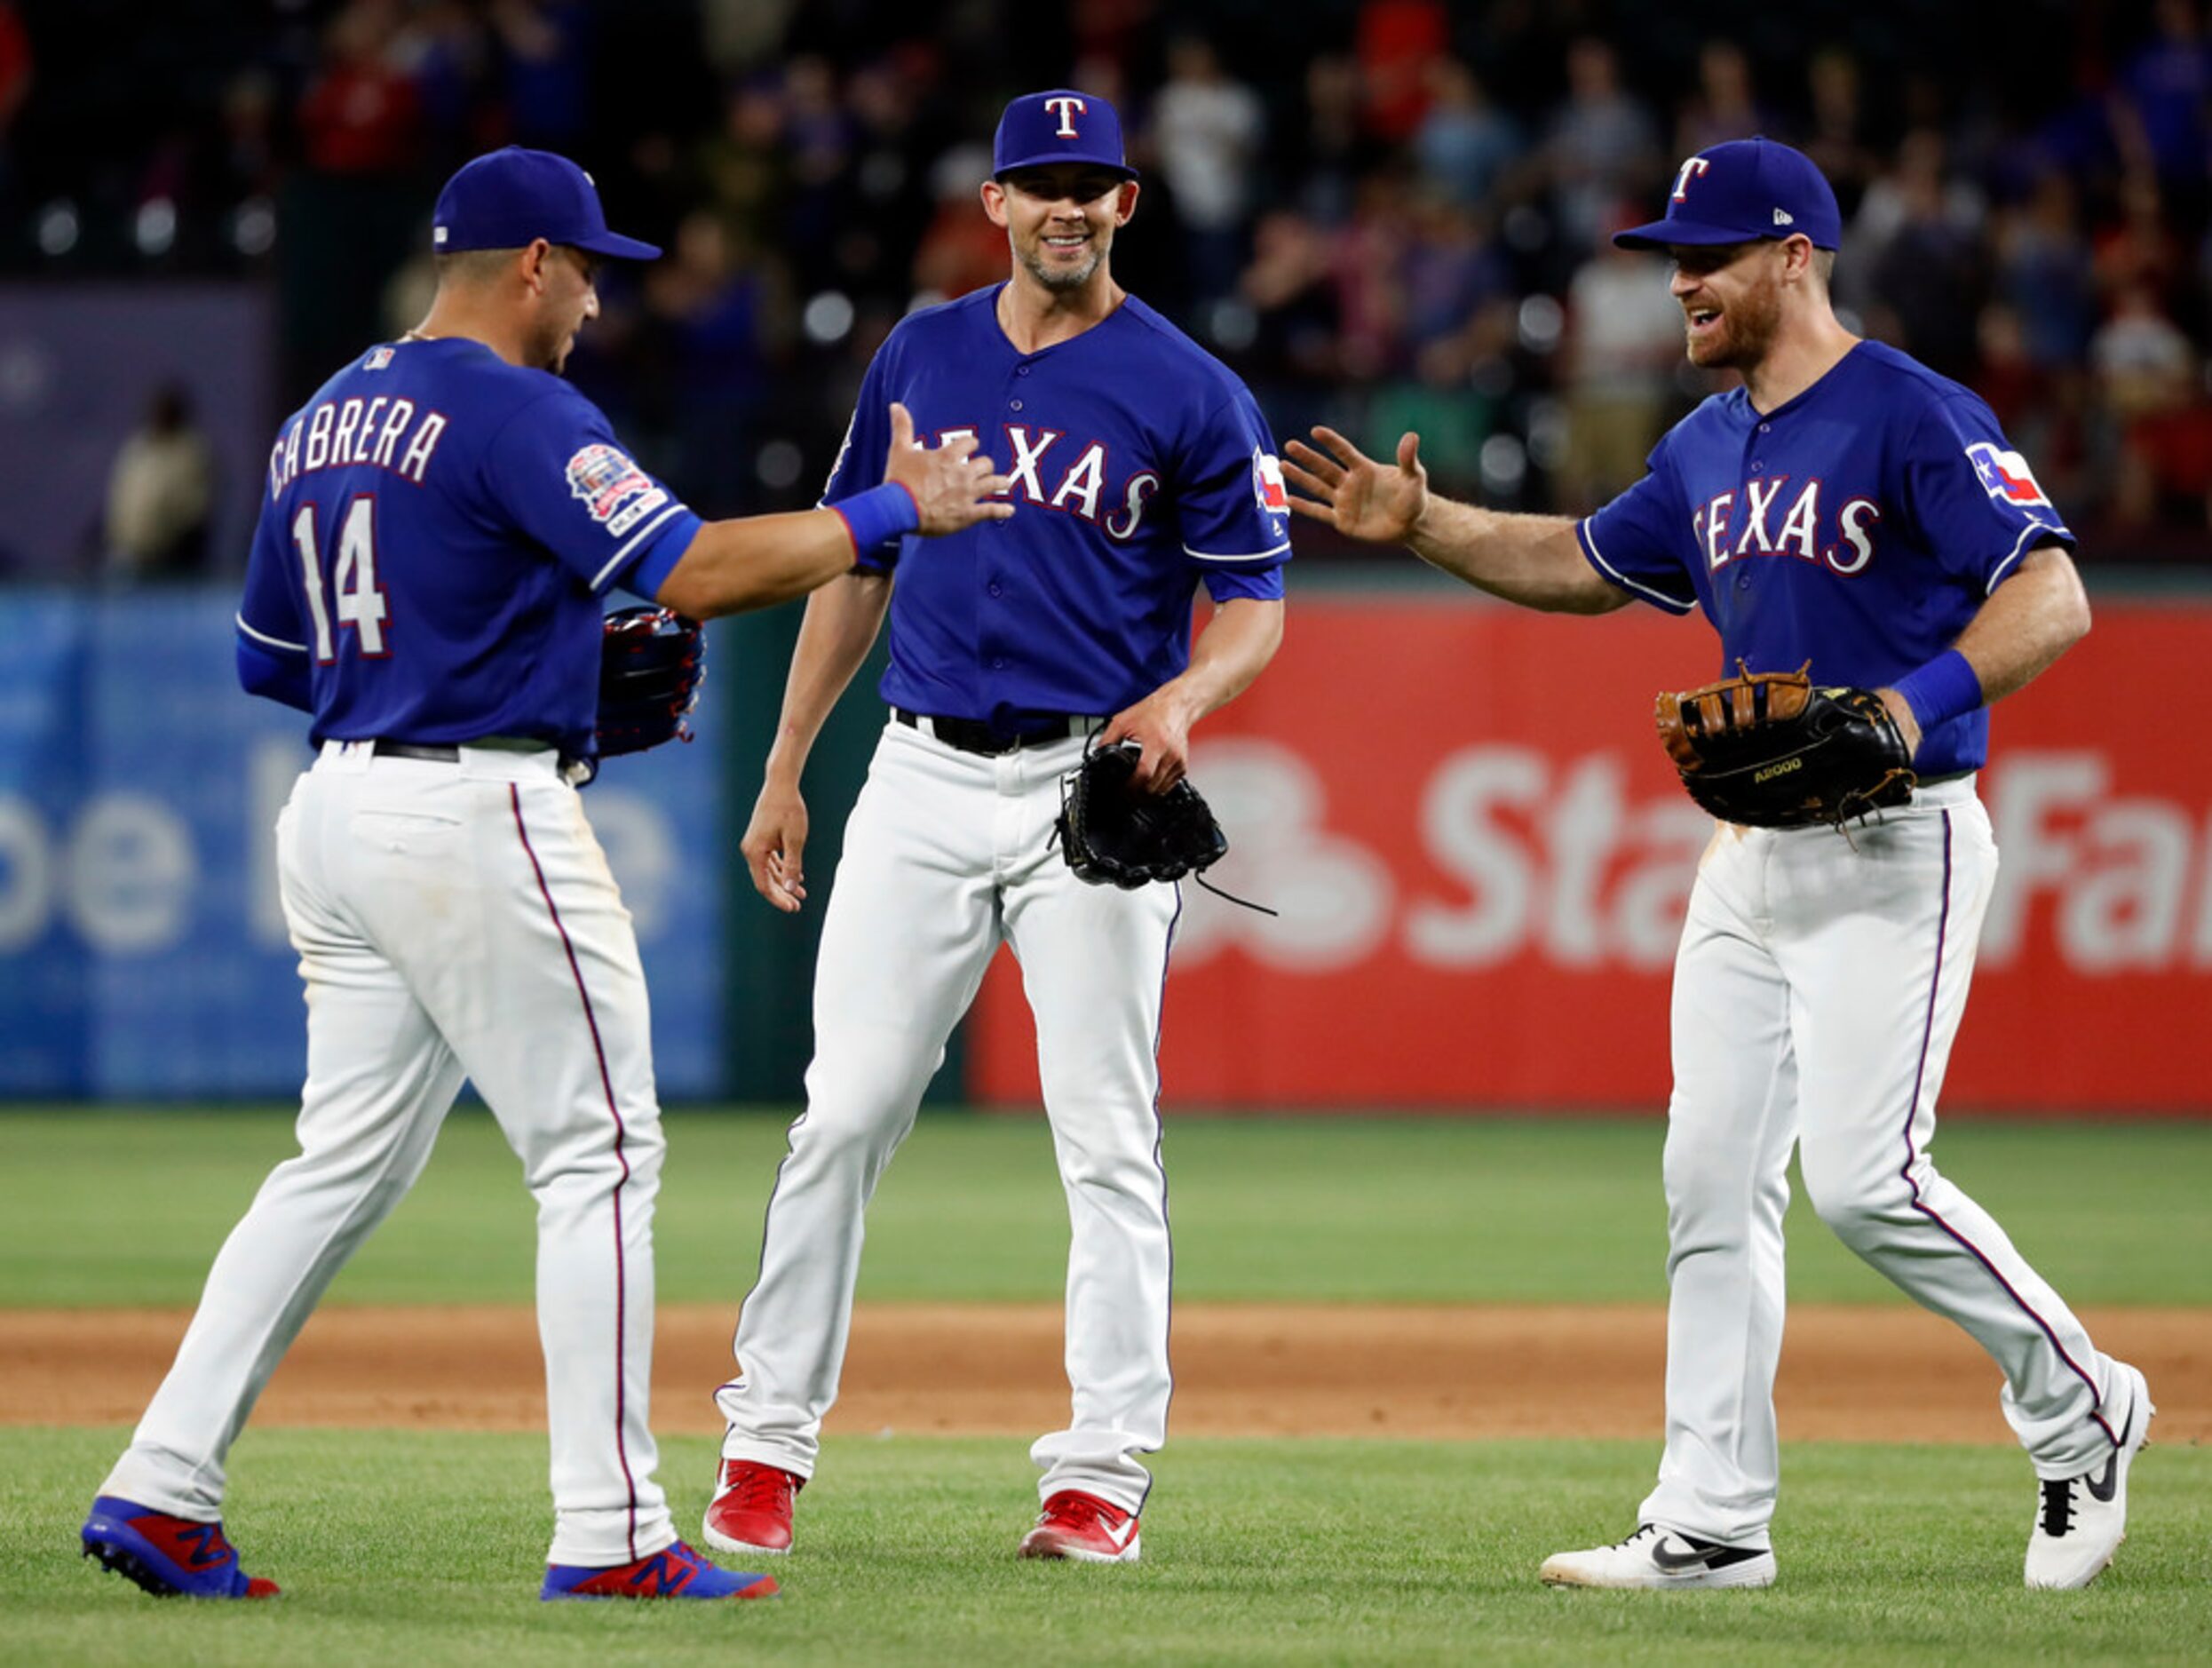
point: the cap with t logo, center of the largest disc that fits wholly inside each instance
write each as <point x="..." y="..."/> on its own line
<point x="1741" y="190"/>
<point x="1040" y="129"/>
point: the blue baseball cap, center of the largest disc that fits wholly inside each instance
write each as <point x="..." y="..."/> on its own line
<point x="507" y="198"/>
<point x="1040" y="129"/>
<point x="1740" y="190"/>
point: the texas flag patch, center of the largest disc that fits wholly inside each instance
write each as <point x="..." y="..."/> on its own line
<point x="2005" y="475"/>
<point x="1267" y="482"/>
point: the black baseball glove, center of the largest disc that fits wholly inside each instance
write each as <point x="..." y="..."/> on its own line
<point x="652" y="661"/>
<point x="1113" y="833"/>
<point x="1774" y="750"/>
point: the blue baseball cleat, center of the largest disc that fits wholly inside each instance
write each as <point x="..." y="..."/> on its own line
<point x="674" y="1572"/>
<point x="171" y="1557"/>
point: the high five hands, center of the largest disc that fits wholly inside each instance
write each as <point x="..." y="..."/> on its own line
<point x="952" y="487"/>
<point x="1349" y="490"/>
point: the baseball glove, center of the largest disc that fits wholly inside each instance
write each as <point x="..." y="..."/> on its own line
<point x="1774" y="750"/>
<point x="652" y="661"/>
<point x="1114" y="834"/>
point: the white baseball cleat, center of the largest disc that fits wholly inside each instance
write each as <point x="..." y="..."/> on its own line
<point x="2080" y="1522"/>
<point x="1662" y="1560"/>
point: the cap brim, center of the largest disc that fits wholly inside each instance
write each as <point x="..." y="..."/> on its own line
<point x="1692" y="235"/>
<point x="1053" y="159"/>
<point x="1689" y="233"/>
<point x="616" y="246"/>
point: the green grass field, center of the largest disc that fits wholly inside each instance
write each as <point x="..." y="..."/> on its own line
<point x="1417" y="1211"/>
<point x="420" y="1546"/>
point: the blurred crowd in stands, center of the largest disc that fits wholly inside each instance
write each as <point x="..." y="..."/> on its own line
<point x="1384" y="214"/>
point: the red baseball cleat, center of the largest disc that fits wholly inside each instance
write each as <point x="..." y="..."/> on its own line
<point x="751" y="1509"/>
<point x="1083" y="1527"/>
<point x="674" y="1572"/>
<point x="171" y="1557"/>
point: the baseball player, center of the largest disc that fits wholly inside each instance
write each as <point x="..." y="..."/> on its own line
<point x="1140" y="468"/>
<point x="1847" y="507"/>
<point x="440" y="523"/>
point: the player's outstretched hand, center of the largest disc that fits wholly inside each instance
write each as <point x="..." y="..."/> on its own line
<point x="952" y="487"/>
<point x="774" y="842"/>
<point x="1355" y="495"/>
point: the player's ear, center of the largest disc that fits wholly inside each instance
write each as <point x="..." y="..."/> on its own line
<point x="1127" y="205"/>
<point x="535" y="255"/>
<point x="995" y="202"/>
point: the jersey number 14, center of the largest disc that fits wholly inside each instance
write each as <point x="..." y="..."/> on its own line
<point x="360" y="599"/>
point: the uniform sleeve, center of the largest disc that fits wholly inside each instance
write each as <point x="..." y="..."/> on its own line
<point x="1638" y="540"/>
<point x="269" y="614"/>
<point x="557" y="472"/>
<point x="860" y="463"/>
<point x="1230" y="504"/>
<point x="1975" y="502"/>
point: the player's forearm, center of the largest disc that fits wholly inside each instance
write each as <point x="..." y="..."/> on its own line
<point x="756" y="562"/>
<point x="2031" y="619"/>
<point x="840" y="627"/>
<point x="1536" y="560"/>
<point x="1230" y="653"/>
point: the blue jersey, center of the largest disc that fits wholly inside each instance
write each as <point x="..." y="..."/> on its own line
<point x="437" y="529"/>
<point x="1858" y="527"/>
<point x="1141" y="466"/>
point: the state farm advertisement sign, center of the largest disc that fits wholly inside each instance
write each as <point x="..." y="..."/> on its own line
<point x="1481" y="858"/>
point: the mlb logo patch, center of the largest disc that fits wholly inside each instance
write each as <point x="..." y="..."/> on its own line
<point x="603" y="477"/>
<point x="2005" y="475"/>
<point x="1267" y="483"/>
<point x="379" y="360"/>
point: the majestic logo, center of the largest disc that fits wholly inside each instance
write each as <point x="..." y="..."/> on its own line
<point x="1267" y="483"/>
<point x="605" y="480"/>
<point x="1067" y="108"/>
<point x="2005" y="475"/>
<point x="1691" y="169"/>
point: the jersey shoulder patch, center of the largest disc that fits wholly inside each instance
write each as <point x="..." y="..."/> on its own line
<point x="2005" y="475"/>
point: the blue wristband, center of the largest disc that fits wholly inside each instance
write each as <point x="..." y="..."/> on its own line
<point x="1943" y="689"/>
<point x="876" y="518"/>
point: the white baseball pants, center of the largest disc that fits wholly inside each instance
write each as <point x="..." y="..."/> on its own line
<point x="946" y="854"/>
<point x="454" y="920"/>
<point x="1819" y="984"/>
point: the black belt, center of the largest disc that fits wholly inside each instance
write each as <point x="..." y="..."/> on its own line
<point x="444" y="754"/>
<point x="976" y="736"/>
<point x="449" y="752"/>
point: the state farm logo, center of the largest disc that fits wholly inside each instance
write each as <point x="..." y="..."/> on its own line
<point x="1334" y="897"/>
<point x="1546" y="856"/>
<point x="1520" y="855"/>
<point x="2126" y="884"/>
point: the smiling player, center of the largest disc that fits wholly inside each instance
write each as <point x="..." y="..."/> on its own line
<point x="1848" y="508"/>
<point x="1141" y="469"/>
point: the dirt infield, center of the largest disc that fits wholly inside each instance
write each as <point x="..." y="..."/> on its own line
<point x="1854" y="1374"/>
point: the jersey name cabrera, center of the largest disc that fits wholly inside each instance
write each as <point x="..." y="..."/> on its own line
<point x="1140" y="468"/>
<point x="1858" y="527"/>
<point x="437" y="530"/>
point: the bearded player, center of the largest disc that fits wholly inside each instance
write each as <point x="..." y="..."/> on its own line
<point x="1846" y="507"/>
<point x="1141" y="469"/>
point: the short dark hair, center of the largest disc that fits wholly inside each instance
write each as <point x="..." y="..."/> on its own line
<point x="472" y="266"/>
